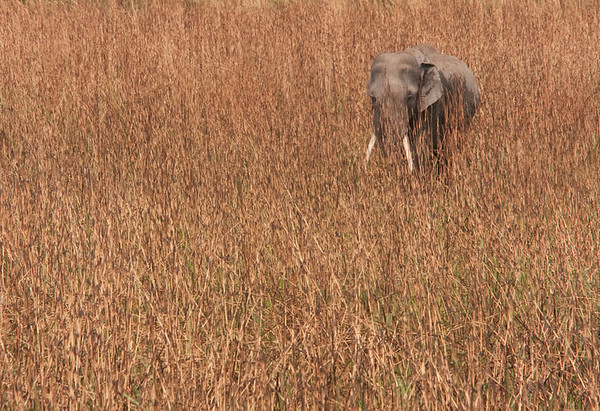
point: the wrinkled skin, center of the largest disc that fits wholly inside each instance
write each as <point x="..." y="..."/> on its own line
<point x="418" y="90"/>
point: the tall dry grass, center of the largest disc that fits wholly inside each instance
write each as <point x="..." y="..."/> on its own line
<point x="185" y="219"/>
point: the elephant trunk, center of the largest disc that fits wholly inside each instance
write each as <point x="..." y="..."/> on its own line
<point x="391" y="128"/>
<point x="399" y="130"/>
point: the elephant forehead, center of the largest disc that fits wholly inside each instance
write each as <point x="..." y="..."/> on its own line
<point x="395" y="59"/>
<point x="397" y="67"/>
<point x="382" y="88"/>
<point x="400" y="81"/>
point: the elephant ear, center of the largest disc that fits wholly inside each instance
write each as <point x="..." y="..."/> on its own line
<point x="431" y="88"/>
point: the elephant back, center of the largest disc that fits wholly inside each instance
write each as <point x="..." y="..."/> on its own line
<point x="458" y="79"/>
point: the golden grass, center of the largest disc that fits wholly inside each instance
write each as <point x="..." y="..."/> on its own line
<point x="185" y="219"/>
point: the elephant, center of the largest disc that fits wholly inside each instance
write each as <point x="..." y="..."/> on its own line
<point x="419" y="90"/>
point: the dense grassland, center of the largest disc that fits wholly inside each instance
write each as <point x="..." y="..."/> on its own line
<point x="185" y="218"/>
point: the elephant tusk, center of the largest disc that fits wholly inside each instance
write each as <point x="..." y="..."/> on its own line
<point x="409" y="156"/>
<point x="370" y="147"/>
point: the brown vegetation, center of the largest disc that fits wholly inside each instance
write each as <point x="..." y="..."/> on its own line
<point x="185" y="219"/>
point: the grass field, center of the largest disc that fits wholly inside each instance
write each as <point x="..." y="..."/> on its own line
<point x="185" y="219"/>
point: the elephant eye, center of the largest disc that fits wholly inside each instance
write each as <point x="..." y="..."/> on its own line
<point x="373" y="101"/>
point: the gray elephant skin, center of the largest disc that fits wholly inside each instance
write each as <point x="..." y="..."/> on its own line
<point x="419" y="92"/>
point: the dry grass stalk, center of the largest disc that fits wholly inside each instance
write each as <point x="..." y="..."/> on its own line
<point x="184" y="219"/>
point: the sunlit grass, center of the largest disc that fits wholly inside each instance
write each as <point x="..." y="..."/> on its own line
<point x="185" y="220"/>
